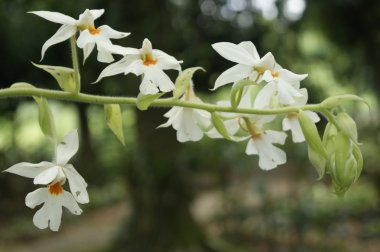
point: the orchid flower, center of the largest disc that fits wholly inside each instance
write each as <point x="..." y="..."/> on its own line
<point x="54" y="175"/>
<point x="89" y="35"/>
<point x="250" y="65"/>
<point x="50" y="173"/>
<point x="189" y="123"/>
<point x="282" y="84"/>
<point x="148" y="62"/>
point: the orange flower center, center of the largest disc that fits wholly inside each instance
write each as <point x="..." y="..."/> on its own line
<point x="275" y="74"/>
<point x="55" y="189"/>
<point x="149" y="60"/>
<point x="94" y="31"/>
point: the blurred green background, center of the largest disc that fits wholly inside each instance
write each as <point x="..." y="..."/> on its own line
<point x="155" y="194"/>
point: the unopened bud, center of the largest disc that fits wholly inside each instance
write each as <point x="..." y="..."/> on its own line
<point x="311" y="134"/>
<point x="347" y="125"/>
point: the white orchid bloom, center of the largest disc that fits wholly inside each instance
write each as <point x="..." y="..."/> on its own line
<point x="283" y="85"/>
<point x="250" y="65"/>
<point x="291" y="121"/>
<point x="261" y="143"/>
<point x="101" y="37"/>
<point x="89" y="35"/>
<point x="147" y="62"/>
<point x="189" y="123"/>
<point x="50" y="173"/>
<point x="54" y="198"/>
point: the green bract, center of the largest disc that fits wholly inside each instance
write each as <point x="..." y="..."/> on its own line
<point x="63" y="75"/>
<point x="114" y="120"/>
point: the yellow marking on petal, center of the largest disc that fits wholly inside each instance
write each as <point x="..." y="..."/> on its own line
<point x="275" y="74"/>
<point x="292" y="115"/>
<point x="256" y="135"/>
<point x="149" y="60"/>
<point x="55" y="189"/>
<point x="94" y="31"/>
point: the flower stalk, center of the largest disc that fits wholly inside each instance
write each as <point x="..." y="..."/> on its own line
<point x="162" y="102"/>
<point x="74" y="56"/>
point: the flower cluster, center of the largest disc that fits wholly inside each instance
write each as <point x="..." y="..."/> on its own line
<point x="261" y="92"/>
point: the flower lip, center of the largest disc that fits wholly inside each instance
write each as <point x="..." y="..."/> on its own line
<point x="55" y="189"/>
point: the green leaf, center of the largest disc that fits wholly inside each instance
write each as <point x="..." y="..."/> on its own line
<point x="219" y="125"/>
<point x="22" y="85"/>
<point x="45" y="118"/>
<point x="114" y="120"/>
<point x="311" y="134"/>
<point x="144" y="101"/>
<point x="63" y="75"/>
<point x="183" y="81"/>
<point x="337" y="100"/>
<point x="237" y="92"/>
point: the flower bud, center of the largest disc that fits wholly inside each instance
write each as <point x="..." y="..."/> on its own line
<point x="318" y="162"/>
<point x="347" y="125"/>
<point x="329" y="137"/>
<point x="311" y="134"/>
<point x="344" y="167"/>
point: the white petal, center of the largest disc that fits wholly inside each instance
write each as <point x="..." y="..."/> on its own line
<point x="233" y="74"/>
<point x="165" y="61"/>
<point x="286" y="124"/>
<point x="267" y="76"/>
<point x="251" y="49"/>
<point x="55" y="17"/>
<point x="313" y="116"/>
<point x="116" y="49"/>
<point x="264" y="97"/>
<point x="97" y="13"/>
<point x="63" y="33"/>
<point x="172" y="114"/>
<point x="77" y="184"/>
<point x="54" y="210"/>
<point x="87" y="49"/>
<point x="85" y="38"/>
<point x="159" y="78"/>
<point x="86" y="19"/>
<point x="146" y="47"/>
<point x="108" y="32"/>
<point x="270" y="156"/>
<point x="286" y="93"/>
<point x="251" y="148"/>
<point x="117" y="67"/>
<point x="29" y="170"/>
<point x="36" y="197"/>
<point x="40" y="218"/>
<point x="267" y="62"/>
<point x="147" y="87"/>
<point x="67" y="148"/>
<point x="188" y="130"/>
<point x="136" y="66"/>
<point x="69" y="202"/>
<point x="104" y="55"/>
<point x="297" y="134"/>
<point x="234" y="53"/>
<point x="275" y="136"/>
<point x="291" y="77"/>
<point x="46" y="176"/>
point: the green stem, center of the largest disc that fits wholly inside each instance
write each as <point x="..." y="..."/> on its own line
<point x="75" y="64"/>
<point x="164" y="102"/>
